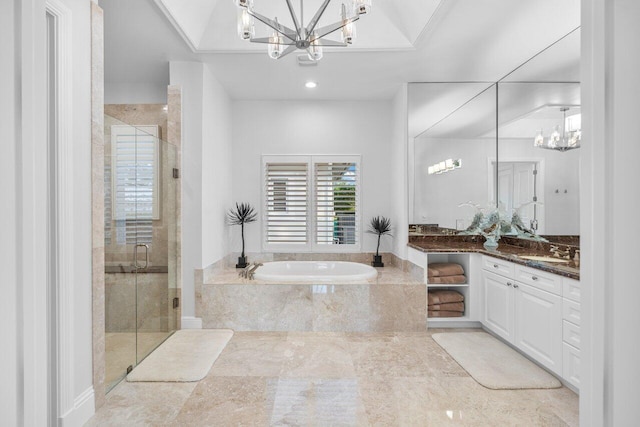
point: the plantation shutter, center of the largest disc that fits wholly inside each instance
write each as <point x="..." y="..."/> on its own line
<point x="336" y="202"/>
<point x="286" y="203"/>
<point x="135" y="190"/>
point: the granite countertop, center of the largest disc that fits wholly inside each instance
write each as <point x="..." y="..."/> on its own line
<point x="507" y="252"/>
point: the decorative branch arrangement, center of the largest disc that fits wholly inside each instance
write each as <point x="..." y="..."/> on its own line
<point x="381" y="226"/>
<point x="243" y="214"/>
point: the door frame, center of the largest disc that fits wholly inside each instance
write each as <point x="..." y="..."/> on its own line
<point x="63" y="405"/>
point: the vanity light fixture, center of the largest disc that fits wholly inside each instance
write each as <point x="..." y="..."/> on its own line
<point x="285" y="40"/>
<point x="566" y="140"/>
<point x="444" y="166"/>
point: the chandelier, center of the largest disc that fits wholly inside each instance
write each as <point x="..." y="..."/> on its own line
<point x="284" y="40"/>
<point x="568" y="139"/>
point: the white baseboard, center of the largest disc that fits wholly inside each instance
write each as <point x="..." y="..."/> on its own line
<point x="189" y="322"/>
<point x="83" y="409"/>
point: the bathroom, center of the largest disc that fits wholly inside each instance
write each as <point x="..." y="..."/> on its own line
<point x="324" y="124"/>
<point x="213" y="159"/>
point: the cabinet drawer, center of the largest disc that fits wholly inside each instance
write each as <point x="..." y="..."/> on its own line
<point x="571" y="311"/>
<point x="571" y="365"/>
<point x="571" y="334"/>
<point x="539" y="279"/>
<point x="571" y="289"/>
<point x="498" y="266"/>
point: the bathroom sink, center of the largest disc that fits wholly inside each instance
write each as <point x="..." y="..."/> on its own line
<point x="545" y="259"/>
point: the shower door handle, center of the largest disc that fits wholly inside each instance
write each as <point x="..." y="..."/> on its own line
<point x="146" y="256"/>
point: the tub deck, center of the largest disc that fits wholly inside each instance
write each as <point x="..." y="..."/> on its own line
<point x="394" y="301"/>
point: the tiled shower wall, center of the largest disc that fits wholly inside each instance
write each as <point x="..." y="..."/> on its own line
<point x="141" y="115"/>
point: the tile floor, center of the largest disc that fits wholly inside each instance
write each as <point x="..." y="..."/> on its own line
<point x="120" y="351"/>
<point x="334" y="379"/>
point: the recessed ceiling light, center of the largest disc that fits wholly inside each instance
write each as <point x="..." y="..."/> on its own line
<point x="311" y="85"/>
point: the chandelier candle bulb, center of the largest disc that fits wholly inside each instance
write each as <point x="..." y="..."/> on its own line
<point x="246" y="29"/>
<point x="276" y="47"/>
<point x="315" y="50"/>
<point x="349" y="30"/>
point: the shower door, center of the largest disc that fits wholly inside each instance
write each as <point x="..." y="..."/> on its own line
<point x="140" y="237"/>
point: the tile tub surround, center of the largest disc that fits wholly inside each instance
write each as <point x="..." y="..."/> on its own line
<point x="509" y="249"/>
<point x="320" y="378"/>
<point x="394" y="301"/>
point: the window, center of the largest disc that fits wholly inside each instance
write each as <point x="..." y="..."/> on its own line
<point x="286" y="203"/>
<point x="311" y="203"/>
<point x="133" y="193"/>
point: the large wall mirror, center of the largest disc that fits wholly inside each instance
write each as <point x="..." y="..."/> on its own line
<point x="487" y="143"/>
<point x="451" y="124"/>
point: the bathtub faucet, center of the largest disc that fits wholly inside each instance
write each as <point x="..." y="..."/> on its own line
<point x="249" y="271"/>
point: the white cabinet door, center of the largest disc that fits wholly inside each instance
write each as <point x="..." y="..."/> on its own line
<point x="538" y="325"/>
<point x="498" y="305"/>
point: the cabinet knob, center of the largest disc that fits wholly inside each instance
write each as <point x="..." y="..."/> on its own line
<point x="534" y="278"/>
<point x="509" y="283"/>
<point x="515" y="286"/>
<point x="495" y="265"/>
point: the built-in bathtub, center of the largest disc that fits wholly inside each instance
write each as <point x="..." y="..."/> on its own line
<point x="329" y="296"/>
<point x="314" y="272"/>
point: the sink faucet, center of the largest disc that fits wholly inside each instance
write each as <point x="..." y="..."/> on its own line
<point x="559" y="253"/>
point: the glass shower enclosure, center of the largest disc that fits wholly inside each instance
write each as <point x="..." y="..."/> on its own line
<point x="141" y="247"/>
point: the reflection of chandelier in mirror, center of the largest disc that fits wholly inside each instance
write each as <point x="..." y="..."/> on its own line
<point x="568" y="139"/>
<point x="284" y="40"/>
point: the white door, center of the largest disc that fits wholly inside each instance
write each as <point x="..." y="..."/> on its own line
<point x="499" y="306"/>
<point x="505" y="186"/>
<point x="538" y="320"/>
<point x="524" y="189"/>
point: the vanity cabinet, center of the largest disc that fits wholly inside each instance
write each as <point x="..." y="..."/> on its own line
<point x="571" y="332"/>
<point x="499" y="307"/>
<point x="538" y="315"/>
<point x="525" y="308"/>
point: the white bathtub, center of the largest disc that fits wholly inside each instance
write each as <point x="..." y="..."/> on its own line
<point x="314" y="271"/>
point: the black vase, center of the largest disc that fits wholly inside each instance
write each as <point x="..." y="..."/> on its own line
<point x="242" y="262"/>
<point x="377" y="261"/>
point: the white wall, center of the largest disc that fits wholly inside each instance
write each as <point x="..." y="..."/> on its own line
<point x="610" y="202"/>
<point x="399" y="173"/>
<point x="216" y="169"/>
<point x="134" y="93"/>
<point x="24" y="190"/>
<point x="10" y="378"/>
<point x="206" y="155"/>
<point x="308" y="127"/>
